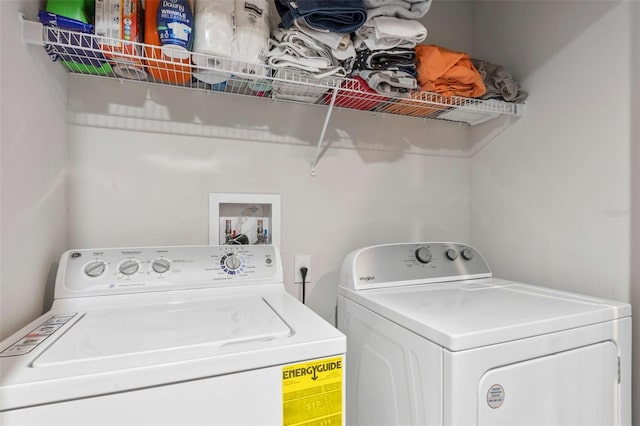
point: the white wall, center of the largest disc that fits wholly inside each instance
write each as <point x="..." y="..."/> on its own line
<point x="635" y="198"/>
<point x="552" y="193"/>
<point x="141" y="187"/>
<point x="547" y="191"/>
<point x="33" y="140"/>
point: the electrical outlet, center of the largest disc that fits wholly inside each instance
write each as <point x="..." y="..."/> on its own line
<point x="299" y="261"/>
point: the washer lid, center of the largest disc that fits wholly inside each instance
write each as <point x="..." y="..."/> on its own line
<point x="139" y="341"/>
<point x="468" y="314"/>
<point x="104" y="335"/>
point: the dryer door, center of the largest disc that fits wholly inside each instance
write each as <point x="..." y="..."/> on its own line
<point x="577" y="387"/>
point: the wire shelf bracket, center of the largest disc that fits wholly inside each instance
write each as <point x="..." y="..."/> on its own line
<point x="324" y="130"/>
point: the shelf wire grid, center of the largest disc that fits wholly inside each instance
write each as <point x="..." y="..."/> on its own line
<point x="105" y="57"/>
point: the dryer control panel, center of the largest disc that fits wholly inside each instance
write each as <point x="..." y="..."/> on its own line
<point x="392" y="265"/>
<point x="133" y="270"/>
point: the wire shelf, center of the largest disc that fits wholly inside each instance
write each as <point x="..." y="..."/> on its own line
<point x="105" y="57"/>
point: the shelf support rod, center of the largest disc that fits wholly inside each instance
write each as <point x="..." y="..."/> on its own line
<point x="324" y="130"/>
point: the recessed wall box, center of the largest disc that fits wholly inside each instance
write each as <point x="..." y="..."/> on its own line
<point x="244" y="218"/>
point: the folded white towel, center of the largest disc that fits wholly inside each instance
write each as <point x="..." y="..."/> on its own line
<point x="294" y="49"/>
<point x="389" y="26"/>
<point x="340" y="44"/>
<point x="387" y="32"/>
<point x="343" y="54"/>
<point x="332" y="39"/>
<point x="408" y="9"/>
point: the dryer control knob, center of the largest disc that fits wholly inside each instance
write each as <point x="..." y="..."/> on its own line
<point x="129" y="267"/>
<point x="95" y="268"/>
<point x="423" y="255"/>
<point x="467" y="254"/>
<point x="161" y="265"/>
<point x="452" y="254"/>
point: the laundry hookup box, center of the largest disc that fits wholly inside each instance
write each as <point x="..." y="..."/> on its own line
<point x="244" y="219"/>
<point x="233" y="228"/>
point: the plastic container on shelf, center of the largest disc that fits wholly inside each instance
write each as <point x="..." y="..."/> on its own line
<point x="174" y="22"/>
<point x="161" y="67"/>
<point x="78" y="51"/>
<point x="118" y="24"/>
<point x="74" y="9"/>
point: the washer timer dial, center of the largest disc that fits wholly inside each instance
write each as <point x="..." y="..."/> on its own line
<point x="232" y="263"/>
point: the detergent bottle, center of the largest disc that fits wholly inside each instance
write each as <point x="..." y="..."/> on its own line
<point x="168" y="62"/>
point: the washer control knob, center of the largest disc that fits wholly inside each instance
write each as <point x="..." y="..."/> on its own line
<point x="95" y="268"/>
<point x="452" y="254"/>
<point x="467" y="254"/>
<point x="161" y="265"/>
<point x="423" y="255"/>
<point x="129" y="267"/>
<point x="233" y="262"/>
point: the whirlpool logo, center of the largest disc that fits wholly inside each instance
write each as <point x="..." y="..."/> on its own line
<point x="367" y="278"/>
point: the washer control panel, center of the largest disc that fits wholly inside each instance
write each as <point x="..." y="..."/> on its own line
<point x="126" y="270"/>
<point x="411" y="263"/>
<point x="31" y="340"/>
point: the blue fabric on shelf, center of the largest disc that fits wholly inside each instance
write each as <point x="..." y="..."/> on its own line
<point x="341" y="16"/>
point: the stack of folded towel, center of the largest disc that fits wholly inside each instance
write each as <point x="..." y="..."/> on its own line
<point x="314" y="42"/>
<point x="295" y="49"/>
<point x="385" y="45"/>
<point x="388" y="32"/>
<point x="309" y="56"/>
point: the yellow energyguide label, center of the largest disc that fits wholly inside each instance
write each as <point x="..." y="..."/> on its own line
<point x="312" y="393"/>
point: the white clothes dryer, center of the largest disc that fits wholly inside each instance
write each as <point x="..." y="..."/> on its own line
<point x="434" y="339"/>
<point x="173" y="335"/>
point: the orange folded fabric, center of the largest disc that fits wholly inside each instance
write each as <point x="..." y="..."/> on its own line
<point x="447" y="72"/>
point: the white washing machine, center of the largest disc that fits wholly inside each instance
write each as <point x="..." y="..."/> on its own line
<point x="173" y="335"/>
<point x="434" y="339"/>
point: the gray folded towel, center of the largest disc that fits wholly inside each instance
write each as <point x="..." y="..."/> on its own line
<point x="407" y="9"/>
<point x="499" y="82"/>
<point x="389" y="82"/>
